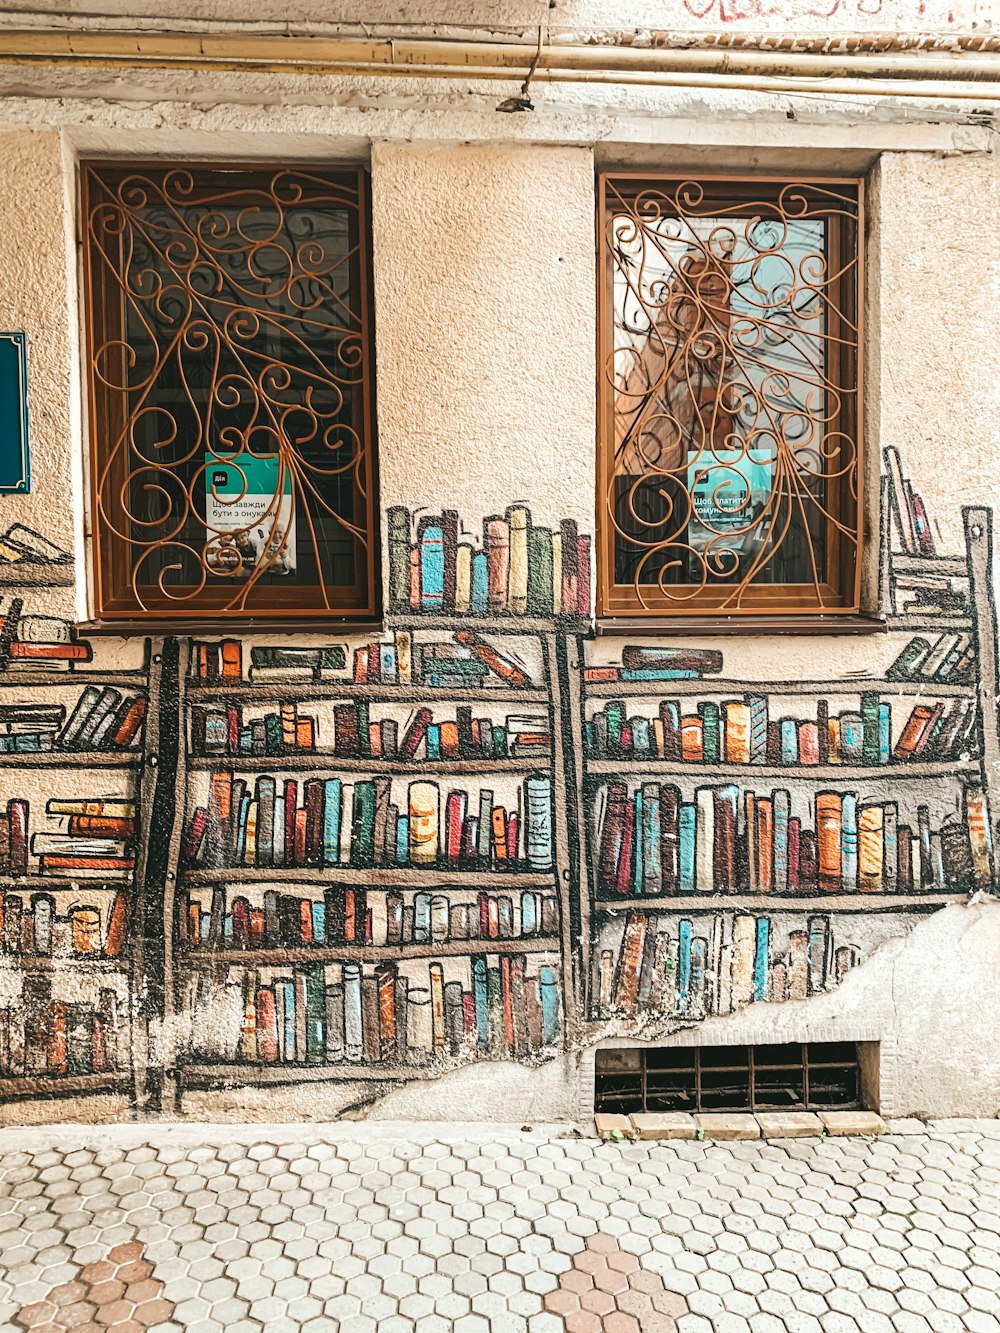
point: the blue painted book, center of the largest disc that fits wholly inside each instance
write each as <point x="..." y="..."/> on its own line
<point x="789" y="740"/>
<point x="761" y="958"/>
<point x="538" y="821"/>
<point x="479" y="1000"/>
<point x="684" y="937"/>
<point x="548" y="984"/>
<point x="480" y="584"/>
<point x="651" y="872"/>
<point x="686" y="830"/>
<point x="656" y="673"/>
<point x="432" y="568"/>
<point x="332" y="797"/>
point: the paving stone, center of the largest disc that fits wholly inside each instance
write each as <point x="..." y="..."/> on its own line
<point x="667" y="1125"/>
<point x="842" y="1123"/>
<point x="611" y="1124"/>
<point x="722" y="1126"/>
<point x="789" y="1124"/>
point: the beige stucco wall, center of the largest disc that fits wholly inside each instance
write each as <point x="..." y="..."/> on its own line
<point x="484" y="255"/>
<point x="484" y="286"/>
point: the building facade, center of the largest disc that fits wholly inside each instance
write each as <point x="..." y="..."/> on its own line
<point x="539" y="807"/>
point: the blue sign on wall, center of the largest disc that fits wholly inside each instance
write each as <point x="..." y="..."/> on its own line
<point x="15" y="474"/>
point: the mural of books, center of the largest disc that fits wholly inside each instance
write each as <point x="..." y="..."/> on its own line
<point x="44" y="1037"/>
<point x="743" y="732"/>
<point x="651" y="841"/>
<point x="348" y="1014"/>
<point x="269" y="919"/>
<point x="460" y="839"/>
<point x="654" y="965"/>
<point x="96" y="841"/>
<point x="463" y="659"/>
<point x="511" y="568"/>
<point x="34" y="643"/>
<point x="270" y="822"/>
<point x="354" y="731"/>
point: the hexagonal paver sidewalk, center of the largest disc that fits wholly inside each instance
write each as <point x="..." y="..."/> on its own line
<point x="400" y="1229"/>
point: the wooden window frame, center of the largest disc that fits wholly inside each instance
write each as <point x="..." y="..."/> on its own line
<point x="833" y="601"/>
<point x="295" y="603"/>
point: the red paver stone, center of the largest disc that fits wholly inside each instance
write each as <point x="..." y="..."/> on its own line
<point x="126" y="1253"/>
<point x="574" y="1280"/>
<point x="591" y="1262"/>
<point x="115" y="1313"/>
<point x="597" y="1302"/>
<point x="621" y="1323"/>
<point x="650" y="1283"/>
<point x="611" y="1281"/>
<point x="625" y="1263"/>
<point x="562" y="1302"/>
<point x="153" y="1312"/>
<point x="584" y="1322"/>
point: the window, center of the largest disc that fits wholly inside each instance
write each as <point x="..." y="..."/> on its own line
<point x="818" y="1076"/>
<point x="729" y="478"/>
<point x="231" y="387"/>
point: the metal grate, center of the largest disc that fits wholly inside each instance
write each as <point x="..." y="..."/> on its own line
<point x="231" y="386"/>
<point x="730" y="424"/>
<point x="814" y="1076"/>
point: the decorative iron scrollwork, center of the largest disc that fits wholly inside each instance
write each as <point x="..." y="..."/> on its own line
<point x="230" y="376"/>
<point x="731" y="394"/>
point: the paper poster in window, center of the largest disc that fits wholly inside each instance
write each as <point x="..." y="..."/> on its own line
<point x="255" y="525"/>
<point x="730" y="490"/>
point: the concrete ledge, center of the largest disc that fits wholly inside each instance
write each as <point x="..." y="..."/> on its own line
<point x="723" y="1125"/>
<point x="841" y="1123"/>
<point x="789" y="1124"/>
<point x="669" y="1125"/>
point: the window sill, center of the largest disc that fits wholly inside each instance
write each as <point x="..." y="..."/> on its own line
<point x="745" y="626"/>
<point x="233" y="628"/>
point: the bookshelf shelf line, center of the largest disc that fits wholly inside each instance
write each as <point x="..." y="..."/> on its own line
<point x="413" y="695"/>
<point x="32" y="680"/>
<point x="826" y="773"/>
<point x="31" y="962"/>
<point x="383" y="877"/>
<point x="73" y="759"/>
<point x="55" y="883"/>
<point x="366" y="953"/>
<point x="708" y="687"/>
<point x="318" y="762"/>
<point x="773" y="902"/>
<point x="29" y="1086"/>
<point x="498" y="623"/>
<point x="212" y="1075"/>
<point x="934" y="624"/>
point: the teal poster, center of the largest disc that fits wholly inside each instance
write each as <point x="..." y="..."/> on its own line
<point x="730" y="490"/>
<point x="15" y="473"/>
<point x="253" y="524"/>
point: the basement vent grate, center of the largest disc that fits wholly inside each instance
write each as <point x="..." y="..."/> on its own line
<point x="817" y="1076"/>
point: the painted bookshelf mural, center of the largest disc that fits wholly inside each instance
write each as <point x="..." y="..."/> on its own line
<point x="230" y="863"/>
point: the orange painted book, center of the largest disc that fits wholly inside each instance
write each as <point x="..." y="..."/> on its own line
<point x="692" y="739"/>
<point x="130" y="723"/>
<point x="916" y="726"/>
<point x="116" y="926"/>
<point x="500" y="833"/>
<point x="232" y="659"/>
<point x="828" y="838"/>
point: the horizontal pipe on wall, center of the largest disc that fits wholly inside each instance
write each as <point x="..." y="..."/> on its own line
<point x="872" y="74"/>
